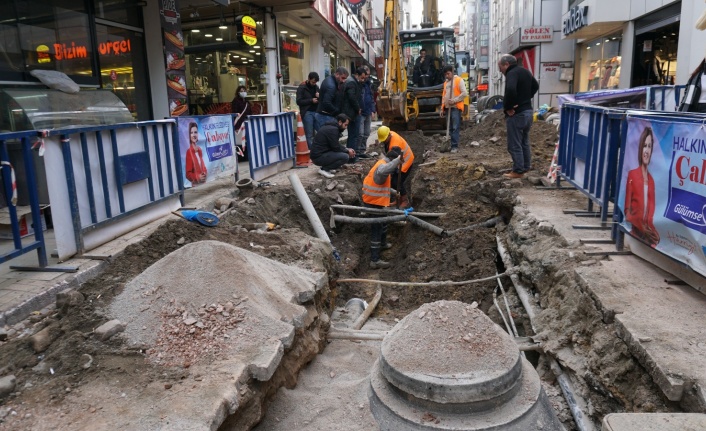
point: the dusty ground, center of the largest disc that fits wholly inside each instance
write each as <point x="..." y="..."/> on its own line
<point x="466" y="186"/>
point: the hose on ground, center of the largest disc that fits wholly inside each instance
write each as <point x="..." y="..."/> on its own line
<point x="488" y="223"/>
<point x="390" y="219"/>
<point x="384" y="211"/>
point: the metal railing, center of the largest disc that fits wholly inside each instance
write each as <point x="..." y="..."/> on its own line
<point x="589" y="143"/>
<point x="26" y="139"/>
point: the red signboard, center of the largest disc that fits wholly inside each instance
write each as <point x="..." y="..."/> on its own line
<point x="482" y="87"/>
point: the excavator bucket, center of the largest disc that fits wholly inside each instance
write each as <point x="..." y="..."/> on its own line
<point x="392" y="107"/>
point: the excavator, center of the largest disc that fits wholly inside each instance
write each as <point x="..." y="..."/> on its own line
<point x="411" y="104"/>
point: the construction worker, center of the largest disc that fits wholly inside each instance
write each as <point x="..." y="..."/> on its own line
<point x="452" y="102"/>
<point x="376" y="194"/>
<point x="392" y="140"/>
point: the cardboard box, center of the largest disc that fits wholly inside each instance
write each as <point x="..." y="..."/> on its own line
<point x="24" y="214"/>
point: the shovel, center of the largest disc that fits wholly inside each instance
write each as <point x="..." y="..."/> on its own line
<point x="448" y="126"/>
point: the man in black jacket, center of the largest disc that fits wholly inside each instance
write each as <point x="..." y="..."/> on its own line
<point x="308" y="101"/>
<point x="326" y="152"/>
<point x="352" y="98"/>
<point x="330" y="99"/>
<point x="520" y="87"/>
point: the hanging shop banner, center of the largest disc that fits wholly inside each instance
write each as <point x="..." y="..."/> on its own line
<point x="174" y="57"/>
<point x="206" y="148"/>
<point x="663" y="188"/>
<point x="375" y="33"/>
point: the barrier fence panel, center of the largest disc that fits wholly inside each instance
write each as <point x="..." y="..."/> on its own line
<point x="26" y="140"/>
<point x="271" y="143"/>
<point x="589" y="142"/>
<point x="106" y="180"/>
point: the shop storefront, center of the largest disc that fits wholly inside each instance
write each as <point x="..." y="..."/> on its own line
<point x="220" y="57"/>
<point x="655" y="51"/>
<point x="99" y="44"/>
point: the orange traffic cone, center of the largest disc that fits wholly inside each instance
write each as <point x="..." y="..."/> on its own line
<point x="302" y="149"/>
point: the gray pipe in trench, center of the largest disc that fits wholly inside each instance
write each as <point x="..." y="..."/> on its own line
<point x="391" y="219"/>
<point x="308" y="207"/>
<point x="582" y="423"/>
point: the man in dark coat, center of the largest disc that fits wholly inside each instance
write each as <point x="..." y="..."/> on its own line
<point x="330" y="98"/>
<point x="520" y="87"/>
<point x="368" y="108"/>
<point x="326" y="152"/>
<point x="422" y="66"/>
<point x="352" y="97"/>
<point x="308" y="101"/>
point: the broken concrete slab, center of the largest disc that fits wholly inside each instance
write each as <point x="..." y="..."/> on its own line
<point x="654" y="422"/>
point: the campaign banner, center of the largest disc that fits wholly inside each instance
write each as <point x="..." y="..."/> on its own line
<point x="206" y="148"/>
<point x="663" y="188"/>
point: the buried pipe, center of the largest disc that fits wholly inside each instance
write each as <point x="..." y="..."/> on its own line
<point x="341" y="334"/>
<point x="426" y="284"/>
<point x="308" y="207"/>
<point x="360" y="321"/>
<point x="582" y="423"/>
<point x="384" y="211"/>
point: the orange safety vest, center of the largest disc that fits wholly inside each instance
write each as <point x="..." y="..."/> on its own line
<point x="458" y="81"/>
<point x="373" y="193"/>
<point x="407" y="155"/>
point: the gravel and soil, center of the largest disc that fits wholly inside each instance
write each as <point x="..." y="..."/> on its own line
<point x="467" y="186"/>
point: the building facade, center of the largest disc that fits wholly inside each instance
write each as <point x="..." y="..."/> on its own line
<point x="192" y="56"/>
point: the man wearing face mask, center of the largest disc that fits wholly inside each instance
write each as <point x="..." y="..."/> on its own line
<point x="326" y="152"/>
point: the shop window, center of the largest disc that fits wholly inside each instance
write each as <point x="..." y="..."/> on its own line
<point x="123" y="70"/>
<point x="219" y="60"/>
<point x="56" y="36"/>
<point x="294" y="55"/>
<point x="655" y="60"/>
<point x="600" y="63"/>
<point x="120" y="11"/>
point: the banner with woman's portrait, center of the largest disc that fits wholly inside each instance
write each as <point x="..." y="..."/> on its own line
<point x="206" y="146"/>
<point x="663" y="188"/>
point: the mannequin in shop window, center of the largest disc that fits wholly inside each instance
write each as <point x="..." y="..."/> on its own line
<point x="614" y="79"/>
<point x="593" y="76"/>
<point x="695" y="92"/>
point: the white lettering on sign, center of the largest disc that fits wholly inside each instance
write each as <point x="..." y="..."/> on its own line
<point x="576" y="18"/>
<point x="537" y="34"/>
<point x="348" y="23"/>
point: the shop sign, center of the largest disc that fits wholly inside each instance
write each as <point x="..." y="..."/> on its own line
<point x="116" y="47"/>
<point x="347" y="22"/>
<point x="576" y="18"/>
<point x="249" y="30"/>
<point x="375" y="33"/>
<point x="43" y="54"/>
<point x="292" y="48"/>
<point x="537" y="34"/>
<point x="169" y="11"/>
<point x="482" y="87"/>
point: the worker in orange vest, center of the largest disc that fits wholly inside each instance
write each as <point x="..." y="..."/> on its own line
<point x="377" y="188"/>
<point x="452" y="102"/>
<point x="392" y="140"/>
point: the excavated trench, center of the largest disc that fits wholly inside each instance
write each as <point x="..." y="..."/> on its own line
<point x="467" y="187"/>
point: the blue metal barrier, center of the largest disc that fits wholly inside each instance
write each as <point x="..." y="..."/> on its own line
<point x="589" y="143"/>
<point x="98" y="145"/>
<point x="270" y="141"/>
<point x="26" y="139"/>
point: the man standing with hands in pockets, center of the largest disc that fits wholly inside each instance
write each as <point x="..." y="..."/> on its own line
<point x="520" y="87"/>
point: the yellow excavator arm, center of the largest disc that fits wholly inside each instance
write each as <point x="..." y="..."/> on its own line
<point x="394" y="81"/>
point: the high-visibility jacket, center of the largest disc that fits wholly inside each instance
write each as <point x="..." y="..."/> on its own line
<point x="376" y="194"/>
<point x="407" y="154"/>
<point x="457" y="83"/>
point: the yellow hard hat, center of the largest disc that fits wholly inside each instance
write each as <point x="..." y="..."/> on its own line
<point x="383" y="133"/>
